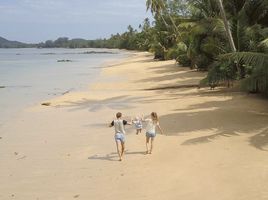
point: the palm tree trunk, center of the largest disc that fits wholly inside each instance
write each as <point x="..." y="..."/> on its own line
<point x="229" y="35"/>
<point x="227" y="28"/>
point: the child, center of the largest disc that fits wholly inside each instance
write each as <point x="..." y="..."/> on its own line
<point x="152" y="123"/>
<point x="119" y="126"/>
<point x="138" y="125"/>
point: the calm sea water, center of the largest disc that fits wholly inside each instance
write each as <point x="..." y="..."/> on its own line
<point x="33" y="75"/>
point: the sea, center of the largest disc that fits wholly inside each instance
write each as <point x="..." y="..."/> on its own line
<point x="29" y="75"/>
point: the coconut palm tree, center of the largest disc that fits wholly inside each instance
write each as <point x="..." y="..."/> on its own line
<point x="226" y="25"/>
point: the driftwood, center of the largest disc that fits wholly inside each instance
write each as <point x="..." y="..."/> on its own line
<point x="46" y="104"/>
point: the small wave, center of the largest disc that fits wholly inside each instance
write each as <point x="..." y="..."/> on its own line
<point x="17" y="86"/>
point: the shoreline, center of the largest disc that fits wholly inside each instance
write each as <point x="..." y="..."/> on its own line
<point x="216" y="146"/>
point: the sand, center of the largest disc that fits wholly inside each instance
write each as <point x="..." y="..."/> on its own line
<point x="215" y="145"/>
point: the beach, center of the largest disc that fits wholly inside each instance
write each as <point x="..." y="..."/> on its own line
<point x="215" y="143"/>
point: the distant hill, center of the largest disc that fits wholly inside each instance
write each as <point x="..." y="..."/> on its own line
<point x="4" y="43"/>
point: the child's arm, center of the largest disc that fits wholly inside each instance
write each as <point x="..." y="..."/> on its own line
<point x="142" y="118"/>
<point x="125" y="122"/>
<point x="130" y="122"/>
<point x="111" y="124"/>
<point x="160" y="129"/>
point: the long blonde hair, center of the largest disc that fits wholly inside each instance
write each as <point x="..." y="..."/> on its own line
<point x="154" y="117"/>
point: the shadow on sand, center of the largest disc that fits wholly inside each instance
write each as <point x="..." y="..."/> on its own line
<point x="114" y="157"/>
<point x="177" y="75"/>
<point x="224" y="117"/>
<point x="260" y="140"/>
<point x="221" y="117"/>
<point x="116" y="103"/>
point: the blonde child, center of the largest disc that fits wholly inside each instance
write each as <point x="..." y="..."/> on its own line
<point x="138" y="124"/>
<point x="152" y="123"/>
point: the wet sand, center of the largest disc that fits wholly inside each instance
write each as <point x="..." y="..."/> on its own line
<point x="215" y="145"/>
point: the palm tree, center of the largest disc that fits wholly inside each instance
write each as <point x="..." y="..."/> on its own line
<point x="160" y="8"/>
<point x="227" y="28"/>
<point x="156" y="7"/>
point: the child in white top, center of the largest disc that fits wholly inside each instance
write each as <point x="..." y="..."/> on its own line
<point x="138" y="125"/>
<point x="152" y="123"/>
<point x="119" y="128"/>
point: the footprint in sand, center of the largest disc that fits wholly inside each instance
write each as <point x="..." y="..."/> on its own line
<point x="76" y="196"/>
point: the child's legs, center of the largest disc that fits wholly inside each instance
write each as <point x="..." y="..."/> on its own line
<point x="147" y="143"/>
<point x="122" y="148"/>
<point x="117" y="147"/>
<point x="152" y="143"/>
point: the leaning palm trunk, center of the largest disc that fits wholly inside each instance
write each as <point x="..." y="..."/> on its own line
<point x="229" y="35"/>
<point x="227" y="28"/>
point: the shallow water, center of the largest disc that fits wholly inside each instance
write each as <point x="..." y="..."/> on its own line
<point x="32" y="75"/>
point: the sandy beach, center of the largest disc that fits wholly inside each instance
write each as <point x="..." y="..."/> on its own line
<point x="215" y="145"/>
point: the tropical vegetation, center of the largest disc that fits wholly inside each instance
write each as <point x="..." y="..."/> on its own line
<point x="227" y="38"/>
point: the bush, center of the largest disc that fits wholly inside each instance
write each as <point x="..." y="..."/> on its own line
<point x="183" y="60"/>
<point x="172" y="53"/>
<point x="202" y="62"/>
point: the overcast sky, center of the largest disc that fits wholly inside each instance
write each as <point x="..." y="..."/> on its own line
<point x="40" y="20"/>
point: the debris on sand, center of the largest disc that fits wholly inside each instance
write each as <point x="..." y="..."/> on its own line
<point x="46" y="104"/>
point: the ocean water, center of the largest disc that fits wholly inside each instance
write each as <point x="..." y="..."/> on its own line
<point x="33" y="75"/>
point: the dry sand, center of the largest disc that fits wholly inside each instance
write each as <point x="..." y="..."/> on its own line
<point x="216" y="144"/>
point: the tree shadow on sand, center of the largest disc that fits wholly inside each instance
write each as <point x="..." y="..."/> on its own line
<point x="220" y="117"/>
<point x="170" y="72"/>
<point x="260" y="140"/>
<point x="116" y="103"/>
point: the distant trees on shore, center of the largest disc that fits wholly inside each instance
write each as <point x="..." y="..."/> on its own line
<point x="132" y="39"/>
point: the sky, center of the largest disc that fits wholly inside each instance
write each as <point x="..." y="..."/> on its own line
<point x="34" y="21"/>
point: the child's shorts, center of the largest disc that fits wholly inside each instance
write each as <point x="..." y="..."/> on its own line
<point x="138" y="127"/>
<point x="150" y="134"/>
<point x="120" y="136"/>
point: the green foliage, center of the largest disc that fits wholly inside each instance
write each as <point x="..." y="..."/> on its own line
<point x="256" y="69"/>
<point x="183" y="60"/>
<point x="220" y="72"/>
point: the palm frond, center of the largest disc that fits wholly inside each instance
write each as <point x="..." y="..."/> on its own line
<point x="254" y="59"/>
<point x="264" y="44"/>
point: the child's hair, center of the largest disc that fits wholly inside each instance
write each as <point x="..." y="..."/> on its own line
<point x="154" y="117"/>
<point x="118" y="115"/>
